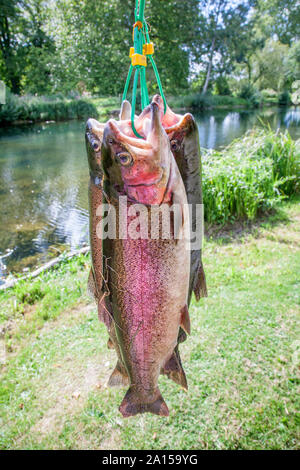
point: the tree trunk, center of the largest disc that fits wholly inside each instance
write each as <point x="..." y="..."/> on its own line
<point x="11" y="74"/>
<point x="249" y="70"/>
<point x="209" y="67"/>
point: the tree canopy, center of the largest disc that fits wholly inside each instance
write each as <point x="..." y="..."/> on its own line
<point x="82" y="45"/>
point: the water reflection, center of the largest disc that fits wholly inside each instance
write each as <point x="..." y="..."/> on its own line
<point x="292" y="117"/>
<point x="43" y="192"/>
<point x="218" y="128"/>
<point x="44" y="178"/>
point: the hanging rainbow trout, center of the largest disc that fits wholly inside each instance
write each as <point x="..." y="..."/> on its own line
<point x="143" y="283"/>
<point x="184" y="143"/>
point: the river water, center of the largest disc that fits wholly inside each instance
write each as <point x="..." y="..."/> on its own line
<point x="44" y="179"/>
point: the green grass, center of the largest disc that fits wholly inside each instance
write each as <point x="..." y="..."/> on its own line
<point x="250" y="176"/>
<point x="241" y="360"/>
<point x="43" y="298"/>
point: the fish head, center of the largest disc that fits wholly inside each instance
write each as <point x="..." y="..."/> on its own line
<point x="139" y="168"/>
<point x="184" y="143"/>
<point x="181" y="130"/>
<point x="93" y="138"/>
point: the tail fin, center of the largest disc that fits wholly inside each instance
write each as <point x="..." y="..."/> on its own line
<point x="174" y="370"/>
<point x="133" y="404"/>
<point x="119" y="377"/>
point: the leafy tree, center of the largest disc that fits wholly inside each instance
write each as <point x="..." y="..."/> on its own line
<point x="64" y="45"/>
<point x="93" y="40"/>
<point x="269" y="65"/>
<point x="223" y="24"/>
<point x="292" y="64"/>
<point x="24" y="45"/>
<point x="282" y="18"/>
<point x="41" y="51"/>
<point x="12" y="26"/>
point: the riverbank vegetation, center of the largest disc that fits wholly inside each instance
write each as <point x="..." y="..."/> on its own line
<point x="241" y="360"/>
<point x="45" y="108"/>
<point x="250" y="176"/>
<point x="223" y="54"/>
<point x="29" y="108"/>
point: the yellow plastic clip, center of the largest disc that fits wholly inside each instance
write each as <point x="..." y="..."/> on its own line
<point x="148" y="48"/>
<point x="138" y="59"/>
<point x="131" y="52"/>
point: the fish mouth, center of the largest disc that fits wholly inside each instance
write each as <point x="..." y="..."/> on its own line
<point x="134" y="189"/>
<point x="151" y="183"/>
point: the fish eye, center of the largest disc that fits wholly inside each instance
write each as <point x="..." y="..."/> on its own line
<point x="125" y="159"/>
<point x="174" y="145"/>
<point x="96" y="146"/>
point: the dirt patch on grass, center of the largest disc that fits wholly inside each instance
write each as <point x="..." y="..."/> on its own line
<point x="66" y="390"/>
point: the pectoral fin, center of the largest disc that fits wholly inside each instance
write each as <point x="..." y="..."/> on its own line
<point x="181" y="336"/>
<point x="105" y="312"/>
<point x="200" y="288"/>
<point x="185" y="320"/>
<point x="104" y="309"/>
<point x="91" y="288"/>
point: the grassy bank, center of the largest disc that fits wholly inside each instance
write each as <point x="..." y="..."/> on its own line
<point x="242" y="358"/>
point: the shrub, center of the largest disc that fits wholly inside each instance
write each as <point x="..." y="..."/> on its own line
<point x="222" y="87"/>
<point x="249" y="176"/>
<point x="9" y="111"/>
<point x="251" y="94"/>
<point x="228" y="101"/>
<point x="284" y="98"/>
<point x="45" y="108"/>
<point x="192" y="101"/>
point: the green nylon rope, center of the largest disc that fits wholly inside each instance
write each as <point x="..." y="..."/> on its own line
<point x="140" y="38"/>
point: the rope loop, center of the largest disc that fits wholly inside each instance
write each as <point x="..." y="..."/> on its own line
<point x="142" y="47"/>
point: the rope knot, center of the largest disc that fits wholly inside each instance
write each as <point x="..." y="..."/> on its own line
<point x="138" y="24"/>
